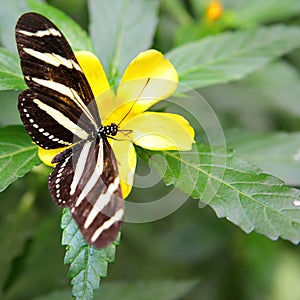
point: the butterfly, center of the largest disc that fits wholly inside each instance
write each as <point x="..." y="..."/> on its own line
<point x="59" y="110"/>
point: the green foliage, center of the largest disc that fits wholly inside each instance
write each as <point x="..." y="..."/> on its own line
<point x="87" y="264"/>
<point x="273" y="82"/>
<point x="235" y="189"/>
<point x="78" y="38"/>
<point x="129" y="29"/>
<point x="252" y="13"/>
<point x="19" y="223"/>
<point x="10" y="73"/>
<point x="140" y="290"/>
<point x="17" y="154"/>
<point x="276" y="153"/>
<point x="231" y="56"/>
<point x="254" y="100"/>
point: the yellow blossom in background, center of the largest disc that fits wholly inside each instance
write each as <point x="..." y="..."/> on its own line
<point x="148" y="79"/>
<point x="214" y="10"/>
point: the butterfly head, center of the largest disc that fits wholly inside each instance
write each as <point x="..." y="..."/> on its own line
<point x="113" y="129"/>
<point x="110" y="130"/>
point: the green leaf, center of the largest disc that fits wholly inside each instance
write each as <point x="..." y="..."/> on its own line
<point x="18" y="155"/>
<point x="9" y="114"/>
<point x="273" y="88"/>
<point x="120" y="29"/>
<point x="233" y="55"/>
<point x="76" y="36"/>
<point x="136" y="290"/>
<point x="10" y="72"/>
<point x="178" y="11"/>
<point x="251" y="13"/>
<point x="235" y="189"/>
<point x="277" y="153"/>
<point x="261" y="100"/>
<point x="9" y="14"/>
<point x="87" y="264"/>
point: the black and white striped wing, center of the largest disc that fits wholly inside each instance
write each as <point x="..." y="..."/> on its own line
<point x="59" y="109"/>
<point x="88" y="183"/>
<point x="58" y="105"/>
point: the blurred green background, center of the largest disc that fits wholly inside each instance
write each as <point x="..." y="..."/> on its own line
<point x="192" y="243"/>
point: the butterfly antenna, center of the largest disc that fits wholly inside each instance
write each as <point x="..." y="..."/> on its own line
<point x="134" y="102"/>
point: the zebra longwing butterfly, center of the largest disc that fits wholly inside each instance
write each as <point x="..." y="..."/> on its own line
<point x="59" y="110"/>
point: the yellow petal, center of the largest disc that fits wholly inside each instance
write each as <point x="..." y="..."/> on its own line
<point x="161" y="131"/>
<point x="93" y="71"/>
<point x="150" y="64"/>
<point x="46" y="156"/>
<point x="126" y="159"/>
<point x="106" y="103"/>
<point x="148" y="79"/>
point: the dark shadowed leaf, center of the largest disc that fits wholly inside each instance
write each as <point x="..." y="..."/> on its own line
<point x="136" y="290"/>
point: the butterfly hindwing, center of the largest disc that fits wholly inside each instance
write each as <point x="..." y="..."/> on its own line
<point x="54" y="75"/>
<point x="87" y="182"/>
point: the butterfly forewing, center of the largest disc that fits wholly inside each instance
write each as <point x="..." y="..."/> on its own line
<point x="94" y="198"/>
<point x="48" y="131"/>
<point x="59" y="110"/>
<point x="54" y="75"/>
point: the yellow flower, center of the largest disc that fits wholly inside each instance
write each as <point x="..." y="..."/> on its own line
<point x="148" y="79"/>
<point x="214" y="10"/>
